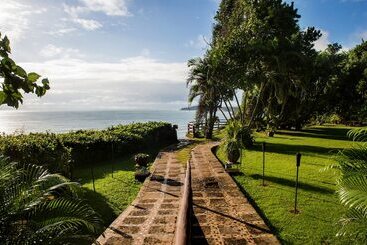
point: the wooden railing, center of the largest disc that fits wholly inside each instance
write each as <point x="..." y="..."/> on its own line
<point x="194" y="128"/>
<point x="183" y="224"/>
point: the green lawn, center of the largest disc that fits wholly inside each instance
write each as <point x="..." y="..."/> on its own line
<point x="113" y="194"/>
<point x="317" y="222"/>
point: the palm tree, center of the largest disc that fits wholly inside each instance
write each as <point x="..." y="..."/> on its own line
<point x="37" y="207"/>
<point x="202" y="86"/>
<point x="352" y="187"/>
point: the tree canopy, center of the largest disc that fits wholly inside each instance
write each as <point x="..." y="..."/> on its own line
<point x="259" y="49"/>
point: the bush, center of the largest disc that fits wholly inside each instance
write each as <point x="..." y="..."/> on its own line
<point x="42" y="149"/>
<point x="57" y="151"/>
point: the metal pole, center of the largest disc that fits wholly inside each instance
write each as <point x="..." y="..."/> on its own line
<point x="112" y="160"/>
<point x="263" y="147"/>
<point x="298" y="163"/>
<point x="94" y="187"/>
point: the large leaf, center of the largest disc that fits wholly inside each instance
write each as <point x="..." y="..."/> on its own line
<point x="33" y="77"/>
<point x="2" y="97"/>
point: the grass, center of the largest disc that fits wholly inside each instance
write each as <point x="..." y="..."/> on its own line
<point x="113" y="194"/>
<point x="320" y="210"/>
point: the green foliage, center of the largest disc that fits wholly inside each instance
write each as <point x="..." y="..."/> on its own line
<point x="58" y="152"/>
<point x="258" y="47"/>
<point x="37" y="207"/>
<point x="42" y="149"/>
<point x="236" y="136"/>
<point x="96" y="145"/>
<point x="203" y="86"/>
<point x="352" y="188"/>
<point x="141" y="159"/>
<point x="15" y="79"/>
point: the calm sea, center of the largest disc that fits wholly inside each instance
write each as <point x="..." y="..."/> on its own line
<point x="63" y="121"/>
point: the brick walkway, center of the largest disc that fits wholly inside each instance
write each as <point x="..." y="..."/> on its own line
<point x="151" y="219"/>
<point x="222" y="214"/>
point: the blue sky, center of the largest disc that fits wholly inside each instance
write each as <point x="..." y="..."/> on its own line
<point x="113" y="54"/>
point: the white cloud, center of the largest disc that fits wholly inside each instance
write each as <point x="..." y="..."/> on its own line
<point x="74" y="16"/>
<point x="323" y="42"/>
<point x="88" y="24"/>
<point x="62" y="31"/>
<point x="109" y="7"/>
<point x="14" y="18"/>
<point x="52" y="51"/>
<point x="135" y="82"/>
<point x="132" y="69"/>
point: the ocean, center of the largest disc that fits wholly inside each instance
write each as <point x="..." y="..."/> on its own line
<point x="64" y="121"/>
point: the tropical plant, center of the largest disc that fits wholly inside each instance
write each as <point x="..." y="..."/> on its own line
<point x="236" y="136"/>
<point x="352" y="187"/>
<point x="141" y="159"/>
<point x="202" y="86"/>
<point x="16" y="80"/>
<point x="37" y="207"/>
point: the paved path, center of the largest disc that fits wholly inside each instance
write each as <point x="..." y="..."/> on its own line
<point x="151" y="219"/>
<point x="222" y="214"/>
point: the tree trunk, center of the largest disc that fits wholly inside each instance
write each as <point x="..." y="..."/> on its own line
<point x="256" y="105"/>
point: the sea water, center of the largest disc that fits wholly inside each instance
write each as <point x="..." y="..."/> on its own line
<point x="64" y="121"/>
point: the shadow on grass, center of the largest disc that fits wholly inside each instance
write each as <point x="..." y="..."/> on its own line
<point x="101" y="205"/>
<point x="291" y="183"/>
<point x="319" y="132"/>
<point x="293" y="149"/>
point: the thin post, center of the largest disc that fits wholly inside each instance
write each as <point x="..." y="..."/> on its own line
<point x="94" y="187"/>
<point x="112" y="157"/>
<point x="264" y="148"/>
<point x="298" y="163"/>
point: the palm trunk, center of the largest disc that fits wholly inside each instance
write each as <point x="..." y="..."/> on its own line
<point x="256" y="105"/>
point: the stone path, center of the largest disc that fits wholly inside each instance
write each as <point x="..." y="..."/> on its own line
<point x="151" y="219"/>
<point x="222" y="214"/>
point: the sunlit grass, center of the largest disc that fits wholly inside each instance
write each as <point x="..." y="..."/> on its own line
<point x="317" y="222"/>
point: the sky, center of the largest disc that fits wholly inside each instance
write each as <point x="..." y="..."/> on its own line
<point x="132" y="54"/>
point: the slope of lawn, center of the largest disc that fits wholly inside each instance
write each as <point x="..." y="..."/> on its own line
<point x="317" y="222"/>
<point x="113" y="193"/>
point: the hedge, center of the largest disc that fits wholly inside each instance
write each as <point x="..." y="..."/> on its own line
<point x="58" y="152"/>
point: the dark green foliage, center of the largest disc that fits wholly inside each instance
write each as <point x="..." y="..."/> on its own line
<point x="42" y="149"/>
<point x="16" y="80"/>
<point x="58" y="152"/>
<point x="96" y="145"/>
<point x="245" y="136"/>
<point x="37" y="207"/>
<point x="141" y="159"/>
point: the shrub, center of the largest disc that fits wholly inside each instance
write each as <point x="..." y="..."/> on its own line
<point x="42" y="149"/>
<point x="58" y="151"/>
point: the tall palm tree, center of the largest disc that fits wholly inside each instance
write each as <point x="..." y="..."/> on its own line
<point x="352" y="187"/>
<point x="37" y="207"/>
<point x="203" y="88"/>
